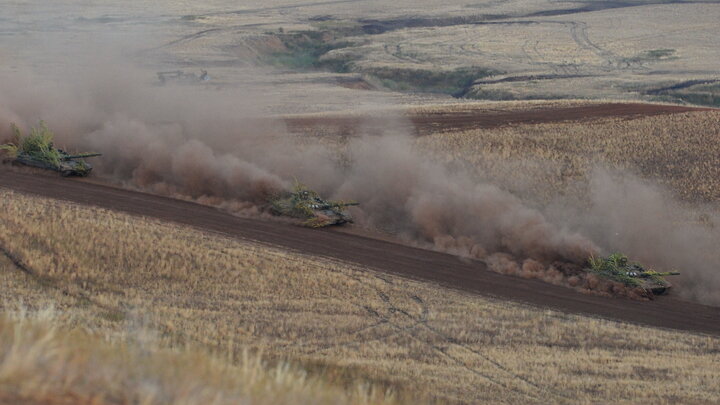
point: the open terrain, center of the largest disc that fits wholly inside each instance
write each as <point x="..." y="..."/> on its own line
<point x="136" y="280"/>
<point x="329" y="51"/>
<point x="486" y="141"/>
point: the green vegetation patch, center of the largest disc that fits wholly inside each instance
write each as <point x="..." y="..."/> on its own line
<point x="706" y="94"/>
<point x="307" y="50"/>
<point x="653" y="55"/>
<point x="618" y="268"/>
<point x="614" y="267"/>
<point x="193" y="17"/>
<point x="38" y="144"/>
<point x="706" y="99"/>
<point x="484" y="93"/>
<point x="304" y="49"/>
<point x="454" y="82"/>
<point x="657" y="54"/>
<point x="347" y="27"/>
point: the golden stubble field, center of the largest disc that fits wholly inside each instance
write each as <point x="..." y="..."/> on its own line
<point x="120" y="277"/>
<point x="116" y="277"/>
<point x="44" y="362"/>
<point x="544" y="161"/>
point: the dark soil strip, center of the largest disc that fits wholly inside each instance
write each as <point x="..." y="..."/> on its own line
<point x="433" y="123"/>
<point x="513" y="79"/>
<point x="16" y="262"/>
<point x="374" y="26"/>
<point x="444" y="269"/>
<point x="682" y="85"/>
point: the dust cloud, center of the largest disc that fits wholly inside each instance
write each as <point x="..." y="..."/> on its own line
<point x="212" y="145"/>
<point x="218" y="146"/>
<point x="630" y="215"/>
<point x="400" y="188"/>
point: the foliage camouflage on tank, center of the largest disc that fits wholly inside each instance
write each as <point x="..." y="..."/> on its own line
<point x="37" y="149"/>
<point x="306" y="204"/>
<point x="617" y="267"/>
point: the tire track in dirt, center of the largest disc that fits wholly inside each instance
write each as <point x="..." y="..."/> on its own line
<point x="421" y="321"/>
<point x="69" y="289"/>
<point x="495" y="363"/>
<point x="189" y="37"/>
<point x="578" y="32"/>
<point x="382" y="320"/>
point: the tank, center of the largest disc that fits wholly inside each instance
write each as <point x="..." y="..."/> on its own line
<point x="617" y="267"/>
<point x="305" y="204"/>
<point x="179" y="76"/>
<point x="37" y="150"/>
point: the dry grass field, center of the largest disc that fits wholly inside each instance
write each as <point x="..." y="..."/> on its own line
<point x="326" y="51"/>
<point x="529" y="50"/>
<point x="120" y="277"/>
<point x="543" y="161"/>
<point x="44" y="362"/>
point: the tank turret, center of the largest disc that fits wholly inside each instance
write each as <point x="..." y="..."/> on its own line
<point x="303" y="203"/>
<point x="81" y="156"/>
<point x="617" y="267"/>
<point x="37" y="150"/>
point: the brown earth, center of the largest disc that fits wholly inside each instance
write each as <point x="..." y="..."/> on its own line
<point x="430" y="123"/>
<point x="10" y="399"/>
<point x="467" y="275"/>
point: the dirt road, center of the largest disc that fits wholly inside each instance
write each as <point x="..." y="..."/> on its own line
<point x="384" y="256"/>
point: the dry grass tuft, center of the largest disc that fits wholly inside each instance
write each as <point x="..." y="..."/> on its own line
<point x="40" y="363"/>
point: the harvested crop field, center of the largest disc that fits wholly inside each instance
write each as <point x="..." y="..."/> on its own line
<point x="496" y="150"/>
<point x="540" y="150"/>
<point x="146" y="286"/>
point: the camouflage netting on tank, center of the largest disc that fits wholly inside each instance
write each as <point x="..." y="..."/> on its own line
<point x="618" y="268"/>
<point x="37" y="145"/>
<point x="307" y="204"/>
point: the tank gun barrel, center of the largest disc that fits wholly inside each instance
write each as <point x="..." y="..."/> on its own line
<point x="342" y="204"/>
<point x="658" y="273"/>
<point x="81" y="156"/>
